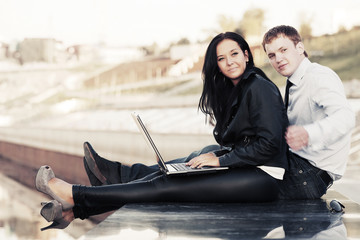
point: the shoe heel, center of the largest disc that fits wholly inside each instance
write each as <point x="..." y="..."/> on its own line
<point x="52" y="225"/>
<point x="57" y="224"/>
<point x="52" y="211"/>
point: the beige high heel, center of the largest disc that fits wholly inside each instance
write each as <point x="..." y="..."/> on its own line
<point x="52" y="212"/>
<point x="44" y="175"/>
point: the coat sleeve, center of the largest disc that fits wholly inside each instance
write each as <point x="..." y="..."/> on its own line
<point x="268" y="120"/>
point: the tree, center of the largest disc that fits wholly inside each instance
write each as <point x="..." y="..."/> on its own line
<point x="250" y="25"/>
<point x="183" y="41"/>
<point x="342" y="29"/>
<point x="227" y="24"/>
<point x="305" y="30"/>
<point x="252" y="22"/>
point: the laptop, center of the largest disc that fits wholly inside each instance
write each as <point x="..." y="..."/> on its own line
<point x="170" y="168"/>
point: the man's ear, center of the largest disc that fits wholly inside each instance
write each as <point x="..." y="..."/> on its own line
<point x="300" y="48"/>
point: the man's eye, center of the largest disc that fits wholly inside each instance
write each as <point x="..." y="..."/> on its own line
<point x="284" y="50"/>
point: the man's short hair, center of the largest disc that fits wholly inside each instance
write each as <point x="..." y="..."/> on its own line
<point x="286" y="31"/>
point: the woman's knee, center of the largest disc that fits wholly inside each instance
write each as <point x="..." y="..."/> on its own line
<point x="210" y="148"/>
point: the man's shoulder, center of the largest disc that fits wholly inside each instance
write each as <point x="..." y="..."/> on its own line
<point x="319" y="76"/>
<point x="320" y="72"/>
<point x="316" y="68"/>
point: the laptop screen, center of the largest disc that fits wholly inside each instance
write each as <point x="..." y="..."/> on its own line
<point x="149" y="140"/>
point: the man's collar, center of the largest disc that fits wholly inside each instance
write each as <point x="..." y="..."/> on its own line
<point x="300" y="71"/>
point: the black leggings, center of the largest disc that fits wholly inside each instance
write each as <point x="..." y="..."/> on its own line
<point x="234" y="185"/>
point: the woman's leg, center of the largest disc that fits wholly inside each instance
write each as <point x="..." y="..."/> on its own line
<point x="233" y="185"/>
<point x="105" y="172"/>
<point x="140" y="171"/>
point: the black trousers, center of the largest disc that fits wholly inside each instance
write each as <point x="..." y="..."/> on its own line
<point x="140" y="172"/>
<point x="140" y="183"/>
<point x="233" y="185"/>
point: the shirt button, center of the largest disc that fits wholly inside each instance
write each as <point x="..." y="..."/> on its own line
<point x="305" y="183"/>
<point x="300" y="171"/>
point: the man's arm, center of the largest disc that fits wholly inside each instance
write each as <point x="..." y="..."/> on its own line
<point x="334" y="118"/>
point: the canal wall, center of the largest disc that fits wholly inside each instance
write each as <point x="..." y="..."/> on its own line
<point x="62" y="149"/>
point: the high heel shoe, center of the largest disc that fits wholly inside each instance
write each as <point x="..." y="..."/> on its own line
<point x="44" y="175"/>
<point x="52" y="211"/>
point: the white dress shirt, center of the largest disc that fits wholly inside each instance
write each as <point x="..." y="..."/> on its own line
<point x="317" y="102"/>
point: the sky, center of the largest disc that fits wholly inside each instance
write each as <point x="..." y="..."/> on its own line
<point x="143" y="22"/>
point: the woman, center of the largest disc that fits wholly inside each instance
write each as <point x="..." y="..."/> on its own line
<point x="250" y="124"/>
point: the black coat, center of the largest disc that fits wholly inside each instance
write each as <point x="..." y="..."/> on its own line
<point x="253" y="129"/>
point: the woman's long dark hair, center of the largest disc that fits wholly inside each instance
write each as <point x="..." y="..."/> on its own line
<point x="217" y="87"/>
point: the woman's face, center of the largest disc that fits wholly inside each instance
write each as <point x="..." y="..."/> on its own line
<point x="231" y="59"/>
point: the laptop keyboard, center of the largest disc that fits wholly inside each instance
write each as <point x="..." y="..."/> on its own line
<point x="182" y="167"/>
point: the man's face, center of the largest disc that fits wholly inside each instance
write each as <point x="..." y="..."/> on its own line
<point x="284" y="56"/>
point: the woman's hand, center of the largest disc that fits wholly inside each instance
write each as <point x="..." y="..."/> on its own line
<point x="206" y="159"/>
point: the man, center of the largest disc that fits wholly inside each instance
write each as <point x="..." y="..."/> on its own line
<point x="320" y="118"/>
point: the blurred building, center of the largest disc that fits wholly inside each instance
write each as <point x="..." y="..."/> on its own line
<point x="4" y="51"/>
<point x="187" y="56"/>
<point x="37" y="50"/>
<point x="52" y="51"/>
<point x="114" y="55"/>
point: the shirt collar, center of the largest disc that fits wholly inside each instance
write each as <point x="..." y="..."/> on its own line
<point x="300" y="71"/>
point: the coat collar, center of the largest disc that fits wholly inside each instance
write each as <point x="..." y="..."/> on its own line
<point x="241" y="83"/>
<point x="247" y="73"/>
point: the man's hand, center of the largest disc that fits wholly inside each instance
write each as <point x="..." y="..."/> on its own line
<point x="206" y="159"/>
<point x="297" y="137"/>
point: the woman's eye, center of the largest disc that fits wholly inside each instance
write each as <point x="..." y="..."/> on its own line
<point x="220" y="59"/>
<point x="234" y="53"/>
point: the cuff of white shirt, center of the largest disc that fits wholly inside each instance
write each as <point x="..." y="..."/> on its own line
<point x="315" y="141"/>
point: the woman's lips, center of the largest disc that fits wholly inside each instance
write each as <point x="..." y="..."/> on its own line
<point x="232" y="69"/>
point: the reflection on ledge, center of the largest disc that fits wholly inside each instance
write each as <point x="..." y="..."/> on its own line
<point x="310" y="219"/>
